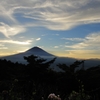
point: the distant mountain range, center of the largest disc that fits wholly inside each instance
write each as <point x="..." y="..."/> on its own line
<point x="43" y="54"/>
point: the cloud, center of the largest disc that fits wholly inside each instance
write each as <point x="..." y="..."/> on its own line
<point x="10" y="30"/>
<point x="56" y="47"/>
<point x="9" y="25"/>
<point x="6" y="12"/>
<point x="52" y="14"/>
<point x="73" y="39"/>
<point x="2" y="46"/>
<point x="83" y="54"/>
<point x="90" y="42"/>
<point x="64" y="15"/>
<point x="27" y="42"/>
<point x="89" y="47"/>
<point x="38" y="39"/>
<point x="56" y="34"/>
<point x="44" y="34"/>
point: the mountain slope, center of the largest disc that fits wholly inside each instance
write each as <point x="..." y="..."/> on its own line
<point x="33" y="51"/>
<point x="43" y="54"/>
<point x="38" y="51"/>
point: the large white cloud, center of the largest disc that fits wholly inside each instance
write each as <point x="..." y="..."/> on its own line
<point x="52" y="14"/>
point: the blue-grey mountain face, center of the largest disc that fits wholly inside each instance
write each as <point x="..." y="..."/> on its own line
<point x="33" y="51"/>
<point x="43" y="54"/>
<point x="38" y="51"/>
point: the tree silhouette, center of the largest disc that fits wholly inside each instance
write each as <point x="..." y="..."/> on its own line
<point x="37" y="69"/>
<point x="38" y="62"/>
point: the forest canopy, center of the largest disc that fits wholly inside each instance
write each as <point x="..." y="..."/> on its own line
<point x="37" y="79"/>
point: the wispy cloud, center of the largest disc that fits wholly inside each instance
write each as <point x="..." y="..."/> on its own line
<point x="27" y="42"/>
<point x="44" y="34"/>
<point x="38" y="39"/>
<point x="90" y="42"/>
<point x="56" y="34"/>
<point x="63" y="15"/>
<point x="73" y="39"/>
<point x="6" y="12"/>
<point x="2" y="46"/>
<point x="10" y="30"/>
<point x="52" y="14"/>
<point x="56" y="47"/>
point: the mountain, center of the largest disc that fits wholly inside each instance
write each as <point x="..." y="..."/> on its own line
<point x="38" y="51"/>
<point x="43" y="54"/>
<point x="33" y="51"/>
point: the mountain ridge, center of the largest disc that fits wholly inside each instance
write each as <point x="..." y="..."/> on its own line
<point x="38" y="51"/>
<point x="44" y="54"/>
<point x="33" y="51"/>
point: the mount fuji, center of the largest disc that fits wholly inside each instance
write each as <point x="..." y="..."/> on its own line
<point x="33" y="51"/>
<point x="38" y="52"/>
<point x="43" y="54"/>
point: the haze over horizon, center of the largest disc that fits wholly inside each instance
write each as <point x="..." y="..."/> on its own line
<point x="68" y="28"/>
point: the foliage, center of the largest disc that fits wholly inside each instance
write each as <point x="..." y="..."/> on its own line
<point x="36" y="80"/>
<point x="78" y="96"/>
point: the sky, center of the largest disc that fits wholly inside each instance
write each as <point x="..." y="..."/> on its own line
<point x="68" y="28"/>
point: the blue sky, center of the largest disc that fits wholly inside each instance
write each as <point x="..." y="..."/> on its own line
<point x="69" y="28"/>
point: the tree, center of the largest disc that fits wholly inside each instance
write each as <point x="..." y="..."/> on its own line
<point x="38" y="62"/>
<point x="37" y="70"/>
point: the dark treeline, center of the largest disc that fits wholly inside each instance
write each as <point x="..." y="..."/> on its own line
<point x="36" y="79"/>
